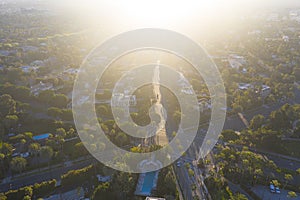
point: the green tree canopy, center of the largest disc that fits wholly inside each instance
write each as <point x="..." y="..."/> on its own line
<point x="18" y="164"/>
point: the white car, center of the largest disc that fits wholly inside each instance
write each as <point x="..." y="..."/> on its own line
<point x="277" y="190"/>
<point x="24" y="155"/>
<point x="178" y="164"/>
<point x="272" y="188"/>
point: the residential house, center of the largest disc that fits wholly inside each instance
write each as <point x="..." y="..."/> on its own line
<point x="265" y="91"/>
<point x="36" y="89"/>
<point x="28" y="69"/>
<point x="236" y="61"/>
<point x="123" y="100"/>
<point x="204" y="104"/>
<point x="245" y="86"/>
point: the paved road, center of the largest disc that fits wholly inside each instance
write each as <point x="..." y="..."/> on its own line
<point x="236" y="188"/>
<point x="184" y="180"/>
<point x="43" y="176"/>
<point x="264" y="193"/>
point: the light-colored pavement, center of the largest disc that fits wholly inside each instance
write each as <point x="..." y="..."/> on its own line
<point x="161" y="136"/>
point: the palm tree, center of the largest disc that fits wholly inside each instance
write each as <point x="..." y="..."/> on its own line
<point x="257" y="173"/>
<point x="61" y="142"/>
<point x="298" y="171"/>
<point x="287" y="178"/>
<point x="34" y="149"/>
<point x="2" y="157"/>
<point x="292" y="194"/>
<point x="123" y="183"/>
<point x="47" y="153"/>
<point x="18" y="164"/>
<point x="23" y="142"/>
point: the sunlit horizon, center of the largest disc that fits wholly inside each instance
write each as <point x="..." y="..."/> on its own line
<point x="124" y="15"/>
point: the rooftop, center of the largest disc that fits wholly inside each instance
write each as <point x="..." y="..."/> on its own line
<point x="41" y="137"/>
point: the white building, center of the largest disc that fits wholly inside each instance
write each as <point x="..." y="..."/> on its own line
<point x="285" y="38"/>
<point x="236" y="61"/>
<point x="36" y="89"/>
<point x="186" y="87"/>
<point x="245" y="86"/>
<point x="254" y="32"/>
<point x="72" y="71"/>
<point x="103" y="179"/>
<point x="123" y="100"/>
<point x="204" y="105"/>
<point x="274" y="17"/>
<point x="28" y="69"/>
<point x="82" y="100"/>
<point x="265" y="91"/>
<point x="37" y="63"/>
<point x="29" y="48"/>
<point x="187" y="90"/>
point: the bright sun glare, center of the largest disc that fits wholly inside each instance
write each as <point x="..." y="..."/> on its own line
<point x="164" y="11"/>
<point x="155" y="12"/>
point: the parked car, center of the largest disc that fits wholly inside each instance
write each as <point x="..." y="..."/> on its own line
<point x="24" y="155"/>
<point x="178" y="163"/>
<point x="277" y="190"/>
<point x="272" y="188"/>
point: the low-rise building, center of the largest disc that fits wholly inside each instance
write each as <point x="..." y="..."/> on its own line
<point x="37" y="63"/>
<point x="41" y="137"/>
<point x="245" y="86"/>
<point x="29" y="48"/>
<point x="262" y="90"/>
<point x="36" y="89"/>
<point x="236" y="61"/>
<point x="204" y="105"/>
<point x="71" y="71"/>
<point x="285" y="38"/>
<point x="28" y="69"/>
<point x="103" y="179"/>
<point x="123" y="100"/>
<point x="265" y="91"/>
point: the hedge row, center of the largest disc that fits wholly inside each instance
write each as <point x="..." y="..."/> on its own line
<point x="71" y="178"/>
<point x="38" y="190"/>
<point x="44" y="188"/>
<point x="77" y="177"/>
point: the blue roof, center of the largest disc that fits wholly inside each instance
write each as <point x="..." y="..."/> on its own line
<point x="41" y="137"/>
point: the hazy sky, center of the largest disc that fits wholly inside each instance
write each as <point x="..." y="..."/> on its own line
<point x="244" y="3"/>
<point x="178" y="15"/>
